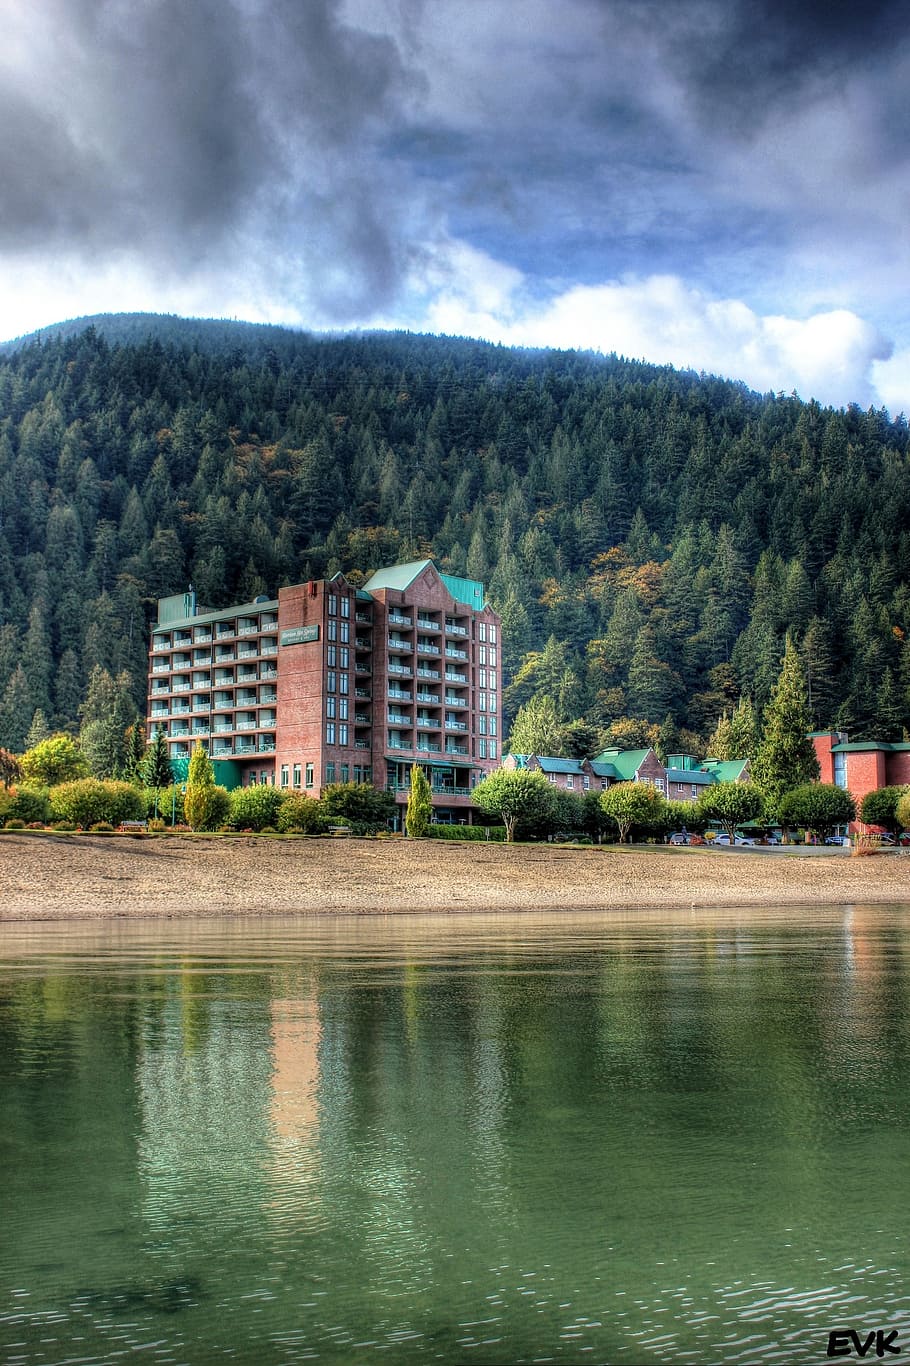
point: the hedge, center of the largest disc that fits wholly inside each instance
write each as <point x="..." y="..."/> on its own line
<point x="89" y="800"/>
<point x="495" y="833"/>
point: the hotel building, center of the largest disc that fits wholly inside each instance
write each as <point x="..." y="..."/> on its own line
<point x="330" y="683"/>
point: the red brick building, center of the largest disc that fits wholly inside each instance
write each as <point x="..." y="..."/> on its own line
<point x="861" y="766"/>
<point x="331" y="683"/>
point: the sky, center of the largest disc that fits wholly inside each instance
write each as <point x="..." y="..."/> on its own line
<point x="722" y="185"/>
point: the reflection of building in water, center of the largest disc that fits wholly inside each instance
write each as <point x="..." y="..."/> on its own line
<point x="204" y="1082"/>
<point x="296" y="1036"/>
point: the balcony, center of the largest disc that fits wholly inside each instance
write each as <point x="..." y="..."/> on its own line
<point x="426" y="624"/>
<point x="360" y="719"/>
<point x="453" y="677"/>
<point x="248" y="629"/>
<point x="246" y="725"/>
<point x="399" y="619"/>
<point x="161" y="668"/>
<point x="361" y="744"/>
<point x="363" y="619"/>
<point x="452" y="653"/>
<point x="428" y="747"/>
<point x="202" y="637"/>
<point x="396" y="718"/>
<point x="268" y="695"/>
<point x="268" y="671"/>
<point x="427" y="673"/>
<point x="182" y="687"/>
<point x="402" y="646"/>
<point x="453" y="630"/>
<point x="244" y="652"/>
<point x="402" y="694"/>
<point x="456" y="725"/>
<point x="400" y="744"/>
<point x="455" y="701"/>
<point x="270" y="649"/>
<point x="223" y="727"/>
<point x="199" y="731"/>
<point x="366" y="668"/>
<point x="456" y="749"/>
<point x="161" y="645"/>
<point x="401" y="669"/>
<point x="363" y="693"/>
<point x="426" y="647"/>
<point x="222" y="752"/>
<point x="428" y="697"/>
<point x="245" y="747"/>
<point x="266" y="744"/>
<point x="227" y="657"/>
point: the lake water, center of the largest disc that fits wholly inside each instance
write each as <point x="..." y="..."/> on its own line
<point x="654" y="1137"/>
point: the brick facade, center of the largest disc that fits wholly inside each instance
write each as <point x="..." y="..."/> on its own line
<point x="330" y="683"/>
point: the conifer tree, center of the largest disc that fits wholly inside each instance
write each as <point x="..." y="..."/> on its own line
<point x="536" y="728"/>
<point x="420" y="804"/>
<point x="786" y="757"/>
<point x="156" y="767"/>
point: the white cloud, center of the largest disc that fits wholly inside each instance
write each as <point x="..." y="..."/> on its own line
<point x="834" y="355"/>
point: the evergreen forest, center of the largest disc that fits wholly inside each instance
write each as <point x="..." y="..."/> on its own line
<point x="651" y="537"/>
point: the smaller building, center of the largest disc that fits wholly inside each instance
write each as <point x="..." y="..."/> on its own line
<point x="861" y="766"/>
<point x="681" y="780"/>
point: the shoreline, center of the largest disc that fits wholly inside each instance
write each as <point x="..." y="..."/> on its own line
<point x="93" y="877"/>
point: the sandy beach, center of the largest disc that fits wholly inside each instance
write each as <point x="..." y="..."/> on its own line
<point x="71" y="877"/>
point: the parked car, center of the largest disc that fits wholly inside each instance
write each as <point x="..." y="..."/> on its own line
<point x="771" y="839"/>
<point x="740" y="842"/>
<point x="838" y="839"/>
<point x="678" y="838"/>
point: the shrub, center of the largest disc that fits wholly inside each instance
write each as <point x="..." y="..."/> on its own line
<point x="155" y="826"/>
<point x="170" y="802"/>
<point x="255" y="807"/>
<point x="25" y="804"/>
<point x="64" y="826"/>
<point x="14" y="824"/>
<point x="102" y="827"/>
<point x="89" y="800"/>
<point x="364" y="807"/>
<point x="301" y="814"/>
<point x="57" y="759"/>
<point x="495" y="833"/>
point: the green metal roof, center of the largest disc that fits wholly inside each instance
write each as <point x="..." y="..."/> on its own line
<point x="398" y="576"/>
<point x="857" y="745"/>
<point x="604" y="770"/>
<point x="690" y="775"/>
<point x="725" y="770"/>
<point x="550" y="765"/>
<point x="627" y="762"/>
<point x="401" y="576"/>
<point x="468" y="591"/>
<point x="204" y="618"/>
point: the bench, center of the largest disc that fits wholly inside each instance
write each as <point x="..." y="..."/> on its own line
<point x="133" y="825"/>
<point x="339" y="829"/>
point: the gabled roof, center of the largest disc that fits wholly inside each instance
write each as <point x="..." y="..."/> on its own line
<point x="725" y="770"/>
<point x="401" y="576"/>
<point x="550" y="765"/>
<point x="627" y="762"/>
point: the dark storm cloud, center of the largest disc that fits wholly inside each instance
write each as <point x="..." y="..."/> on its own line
<point x="179" y="130"/>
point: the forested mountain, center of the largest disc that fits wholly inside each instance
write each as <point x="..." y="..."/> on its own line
<point x="649" y="536"/>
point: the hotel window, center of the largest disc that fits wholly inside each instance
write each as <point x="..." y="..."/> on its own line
<point x="333" y="605"/>
<point x="492" y="678"/>
<point x="344" y="773"/>
<point x="570" y="781"/>
<point x="344" y="657"/>
<point x="345" y="632"/>
<point x="343" y="708"/>
<point x="492" y="749"/>
<point x="482" y="630"/>
<point x="284" y="775"/>
<point x="330" y="733"/>
<point x="296" y="775"/>
<point x="330" y="773"/>
<point x="483" y="653"/>
<point x="330" y="656"/>
<point x="492" y="701"/>
<point x="551" y="777"/>
<point x="330" y="681"/>
<point x="343" y="683"/>
<point x="330" y="707"/>
<point x="586" y="782"/>
<point x="840" y="770"/>
<point x="481" y="701"/>
<point x="333" y="630"/>
<point x="345" y="607"/>
<point x="342" y="734"/>
<point x="483" y="678"/>
<point x="694" y="790"/>
<point x="482" y="749"/>
<point x="309" y="775"/>
<point x="492" y="725"/>
<point x="493" y="635"/>
<point x="482" y="725"/>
